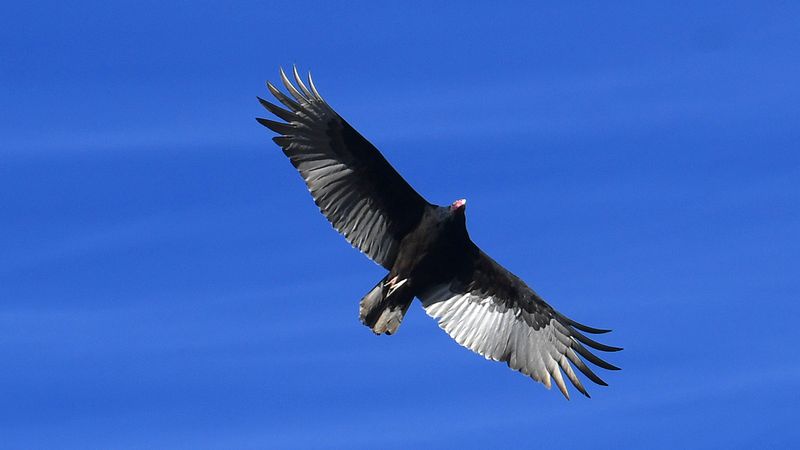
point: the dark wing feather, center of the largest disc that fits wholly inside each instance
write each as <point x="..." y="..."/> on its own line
<point x="352" y="183"/>
<point x="489" y="310"/>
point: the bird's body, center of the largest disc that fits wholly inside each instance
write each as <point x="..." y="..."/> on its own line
<point x="425" y="248"/>
<point x="428" y="255"/>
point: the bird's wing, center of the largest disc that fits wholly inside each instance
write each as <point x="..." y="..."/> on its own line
<point x="352" y="183"/>
<point x="489" y="310"/>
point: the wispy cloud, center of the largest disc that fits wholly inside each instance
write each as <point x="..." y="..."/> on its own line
<point x="701" y="87"/>
<point x="695" y="88"/>
<point x="101" y="237"/>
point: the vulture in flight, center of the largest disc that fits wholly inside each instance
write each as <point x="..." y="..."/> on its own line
<point x="426" y="249"/>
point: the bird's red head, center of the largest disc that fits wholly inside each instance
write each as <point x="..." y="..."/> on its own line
<point x="459" y="205"/>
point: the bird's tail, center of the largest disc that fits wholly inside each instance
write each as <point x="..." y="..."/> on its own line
<point x="383" y="308"/>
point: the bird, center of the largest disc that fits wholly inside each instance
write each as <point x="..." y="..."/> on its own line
<point x="425" y="248"/>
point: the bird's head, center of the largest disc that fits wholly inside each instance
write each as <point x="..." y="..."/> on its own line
<point x="457" y="219"/>
<point x="459" y="206"/>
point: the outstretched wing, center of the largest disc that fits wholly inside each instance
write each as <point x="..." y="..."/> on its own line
<point x="352" y="183"/>
<point x="489" y="310"/>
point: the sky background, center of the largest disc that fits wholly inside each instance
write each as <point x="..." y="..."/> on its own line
<point x="167" y="282"/>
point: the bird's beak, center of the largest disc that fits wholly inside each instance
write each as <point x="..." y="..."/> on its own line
<point x="459" y="204"/>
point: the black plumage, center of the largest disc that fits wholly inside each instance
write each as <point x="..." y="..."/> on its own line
<point x="426" y="249"/>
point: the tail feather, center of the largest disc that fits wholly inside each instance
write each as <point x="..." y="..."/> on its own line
<point x="384" y="307"/>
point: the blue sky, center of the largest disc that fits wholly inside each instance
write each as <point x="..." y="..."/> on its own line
<point x="166" y="280"/>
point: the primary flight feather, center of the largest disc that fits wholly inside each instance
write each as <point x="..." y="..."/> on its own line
<point x="425" y="248"/>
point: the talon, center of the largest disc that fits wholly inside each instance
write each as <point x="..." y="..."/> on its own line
<point x="394" y="284"/>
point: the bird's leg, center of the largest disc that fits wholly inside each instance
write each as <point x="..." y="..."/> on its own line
<point x="393" y="284"/>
